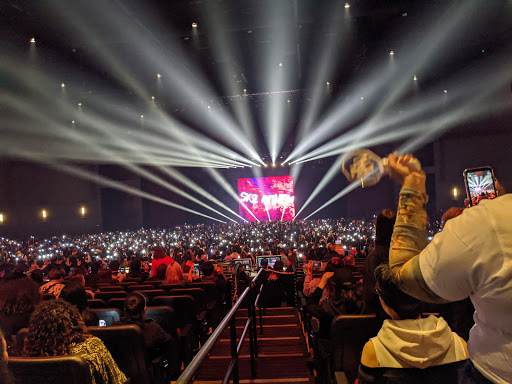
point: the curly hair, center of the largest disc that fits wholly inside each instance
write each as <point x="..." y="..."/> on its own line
<point x="54" y="328"/>
<point x="18" y="297"/>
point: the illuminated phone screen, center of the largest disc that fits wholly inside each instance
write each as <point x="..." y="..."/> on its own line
<point x="480" y="185"/>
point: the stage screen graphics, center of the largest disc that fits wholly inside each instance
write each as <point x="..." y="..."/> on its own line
<point x="266" y="198"/>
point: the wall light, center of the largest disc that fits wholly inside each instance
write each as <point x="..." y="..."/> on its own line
<point x="194" y="25"/>
<point x="347" y="5"/>
<point x="1" y="218"/>
<point x="391" y="53"/>
<point x="83" y="211"/>
<point x="33" y="40"/>
<point x="44" y="214"/>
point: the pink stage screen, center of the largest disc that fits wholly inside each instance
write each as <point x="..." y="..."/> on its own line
<point x="266" y="198"/>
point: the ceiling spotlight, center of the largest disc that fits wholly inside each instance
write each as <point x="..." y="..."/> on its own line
<point x="445" y="91"/>
<point x="415" y="78"/>
<point x="328" y="83"/>
<point x="79" y="104"/>
<point x="72" y="121"/>
<point x="288" y="100"/>
<point x="33" y="40"/>
<point x="245" y="90"/>
<point x="273" y="165"/>
<point x="282" y="164"/>
<point x="152" y="97"/>
<point x="280" y="64"/>
<point x="158" y="75"/>
<point x="194" y="25"/>
<point x="347" y="5"/>
<point x="1" y="218"/>
<point x="362" y="98"/>
<point x="63" y="85"/>
<point x="141" y="116"/>
<point x="266" y="165"/>
<point x="209" y="107"/>
<point x="391" y="53"/>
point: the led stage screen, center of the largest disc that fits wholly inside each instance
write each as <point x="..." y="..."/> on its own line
<point x="266" y="198"/>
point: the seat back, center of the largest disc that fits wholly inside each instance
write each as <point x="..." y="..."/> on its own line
<point x="209" y="288"/>
<point x="125" y="284"/>
<point x="184" y="307"/>
<point x="168" y="287"/>
<point x="349" y="334"/>
<point x="126" y="345"/>
<point x="151" y="293"/>
<point x="110" y="315"/>
<point x="106" y="296"/>
<point x="143" y="287"/>
<point x="111" y="288"/>
<point x="54" y="370"/>
<point x="96" y="303"/>
<point x="165" y="316"/>
<point x="198" y="294"/>
<point x="116" y="302"/>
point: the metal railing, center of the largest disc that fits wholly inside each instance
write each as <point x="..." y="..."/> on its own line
<point x="250" y="327"/>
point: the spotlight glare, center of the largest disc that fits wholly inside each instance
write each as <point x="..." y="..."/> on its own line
<point x="62" y="85"/>
<point x="141" y="116"/>
<point x="194" y="25"/>
<point x="79" y="104"/>
<point x="158" y="75"/>
<point x="72" y="121"/>
<point x="328" y="83"/>
<point x="1" y="218"/>
<point x="152" y="97"/>
<point x="273" y="165"/>
<point x="415" y="78"/>
<point x="347" y="5"/>
<point x="391" y="53"/>
<point x="245" y="90"/>
<point x="362" y="98"/>
<point x="82" y="211"/>
<point x="280" y="64"/>
<point x="445" y="91"/>
<point x="33" y="40"/>
<point x="288" y="100"/>
<point x="209" y="107"/>
<point x="455" y="192"/>
<point x="266" y="165"/>
<point x="44" y="214"/>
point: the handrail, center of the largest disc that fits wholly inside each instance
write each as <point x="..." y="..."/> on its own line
<point x="190" y="371"/>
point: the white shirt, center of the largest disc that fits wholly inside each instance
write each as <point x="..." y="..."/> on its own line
<point x="472" y="257"/>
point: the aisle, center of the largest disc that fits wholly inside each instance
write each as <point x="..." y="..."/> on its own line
<point x="282" y="352"/>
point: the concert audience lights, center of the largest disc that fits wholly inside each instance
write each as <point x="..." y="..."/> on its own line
<point x="266" y="198"/>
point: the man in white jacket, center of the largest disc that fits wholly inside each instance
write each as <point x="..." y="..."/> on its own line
<point x="471" y="257"/>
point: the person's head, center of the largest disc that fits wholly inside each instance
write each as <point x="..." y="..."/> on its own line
<point x="292" y="259"/>
<point x="173" y="273"/>
<point x="95" y="267"/>
<point x="74" y="293"/>
<point x="278" y="266"/>
<point x="114" y="265"/>
<point x="57" y="273"/>
<point x="18" y="297"/>
<point x="54" y="327"/>
<point x="397" y="304"/>
<point x="349" y="261"/>
<point x="135" y="308"/>
<point x="158" y="252"/>
<point x="135" y="265"/>
<point x="384" y="227"/>
<point x="207" y="268"/>
<point x="451" y="213"/>
<point x="37" y="275"/>
<point x="160" y="271"/>
<point x="264" y="263"/>
<point x="105" y="274"/>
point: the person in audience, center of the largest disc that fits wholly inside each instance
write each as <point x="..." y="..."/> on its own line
<point x="158" y="343"/>
<point x="472" y="257"/>
<point x="210" y="274"/>
<point x="135" y="271"/>
<point x="408" y="340"/>
<point x="75" y="294"/>
<point x="173" y="274"/>
<point x="18" y="299"/>
<point x="379" y="255"/>
<point x="313" y="278"/>
<point x="291" y="261"/>
<point x="92" y="278"/>
<point x="57" y="329"/>
<point x="278" y="266"/>
<point x="159" y="257"/>
<point x="160" y="273"/>
<point x="37" y="275"/>
<point x="349" y="262"/>
<point x="56" y="283"/>
<point x="6" y="376"/>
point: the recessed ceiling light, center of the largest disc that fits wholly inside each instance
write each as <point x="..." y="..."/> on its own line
<point x="391" y="53"/>
<point x="33" y="40"/>
<point x="194" y="25"/>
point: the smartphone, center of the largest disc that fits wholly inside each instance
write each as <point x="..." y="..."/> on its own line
<point x="102" y="323"/>
<point x="479" y="183"/>
<point x="317" y="264"/>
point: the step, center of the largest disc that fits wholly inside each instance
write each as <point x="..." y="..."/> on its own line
<point x="266" y="346"/>
<point x="271" y="311"/>
<point x="291" y="380"/>
<point x="270" y="319"/>
<point x="275" y="330"/>
<point x="267" y="367"/>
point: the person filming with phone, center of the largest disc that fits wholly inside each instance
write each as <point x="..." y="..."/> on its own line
<point x="471" y="257"/>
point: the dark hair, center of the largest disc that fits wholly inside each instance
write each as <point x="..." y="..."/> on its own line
<point x="54" y="327"/>
<point x="135" y="265"/>
<point x="158" y="252"/>
<point x="95" y="267"/>
<point x="293" y="258"/>
<point x="105" y="274"/>
<point x="18" y="297"/>
<point x="264" y="263"/>
<point x="405" y="306"/>
<point x="384" y="227"/>
<point x="57" y="273"/>
<point x="161" y="271"/>
<point x="134" y="306"/>
<point x="207" y="268"/>
<point x="114" y="265"/>
<point x="79" y="271"/>
<point x="37" y="276"/>
<point x="74" y="293"/>
<point x="278" y="266"/>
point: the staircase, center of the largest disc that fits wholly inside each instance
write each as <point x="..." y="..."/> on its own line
<point x="282" y="352"/>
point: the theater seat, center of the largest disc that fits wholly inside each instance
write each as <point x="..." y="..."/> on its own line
<point x="106" y="296"/>
<point x="143" y="287"/>
<point x="151" y="293"/>
<point x="349" y="334"/>
<point x="198" y="294"/>
<point x="116" y="303"/>
<point x="111" y="288"/>
<point x="96" y="303"/>
<point x="126" y="345"/>
<point x="165" y="316"/>
<point x="46" y="370"/>
<point x="110" y="315"/>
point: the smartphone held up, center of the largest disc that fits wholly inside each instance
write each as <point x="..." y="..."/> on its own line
<point x="480" y="185"/>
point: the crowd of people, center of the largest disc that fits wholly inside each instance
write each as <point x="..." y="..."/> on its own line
<point x="402" y="277"/>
